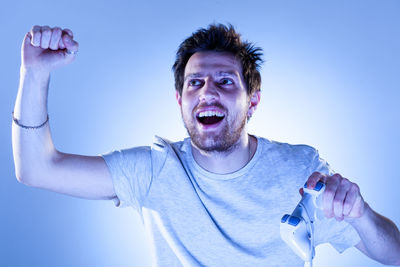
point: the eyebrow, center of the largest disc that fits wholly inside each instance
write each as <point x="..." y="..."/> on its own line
<point x="219" y="73"/>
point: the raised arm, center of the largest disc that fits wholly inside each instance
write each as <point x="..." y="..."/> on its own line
<point x="37" y="162"/>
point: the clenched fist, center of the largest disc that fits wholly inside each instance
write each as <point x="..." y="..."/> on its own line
<point x="342" y="198"/>
<point x="45" y="49"/>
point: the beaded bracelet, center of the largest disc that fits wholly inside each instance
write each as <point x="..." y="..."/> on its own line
<point x="29" y="127"/>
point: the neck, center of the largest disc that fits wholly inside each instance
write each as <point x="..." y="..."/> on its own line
<point x="227" y="161"/>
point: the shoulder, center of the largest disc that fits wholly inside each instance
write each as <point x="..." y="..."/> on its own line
<point x="163" y="149"/>
<point x="287" y="150"/>
<point x="157" y="152"/>
<point x="297" y="154"/>
<point x="162" y="146"/>
<point x="124" y="156"/>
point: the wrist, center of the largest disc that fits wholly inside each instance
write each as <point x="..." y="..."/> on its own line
<point x="34" y="73"/>
<point x="364" y="218"/>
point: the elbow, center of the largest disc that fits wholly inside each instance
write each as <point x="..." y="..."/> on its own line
<point x="33" y="172"/>
<point x="23" y="172"/>
<point x="19" y="178"/>
<point x="23" y="179"/>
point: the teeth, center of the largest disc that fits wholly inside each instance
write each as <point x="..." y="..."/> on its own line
<point x="210" y="113"/>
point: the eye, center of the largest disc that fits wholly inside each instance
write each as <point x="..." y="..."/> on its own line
<point x="194" y="82"/>
<point x="226" y="81"/>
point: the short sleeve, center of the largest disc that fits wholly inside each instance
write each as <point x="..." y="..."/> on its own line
<point x="131" y="173"/>
<point x="341" y="235"/>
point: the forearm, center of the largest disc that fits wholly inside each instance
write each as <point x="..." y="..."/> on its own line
<point x="31" y="147"/>
<point x="31" y="103"/>
<point x="379" y="235"/>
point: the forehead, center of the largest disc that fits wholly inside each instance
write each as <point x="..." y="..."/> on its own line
<point x="211" y="61"/>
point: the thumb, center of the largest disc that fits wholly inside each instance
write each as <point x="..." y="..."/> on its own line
<point x="27" y="49"/>
<point x="301" y="191"/>
<point x="27" y="39"/>
<point x="27" y="43"/>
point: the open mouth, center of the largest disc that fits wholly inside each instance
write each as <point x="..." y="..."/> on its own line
<point x="210" y="117"/>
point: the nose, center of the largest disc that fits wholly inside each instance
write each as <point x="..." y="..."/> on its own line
<point x="209" y="92"/>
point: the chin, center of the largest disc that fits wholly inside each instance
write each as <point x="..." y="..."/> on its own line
<point x="222" y="140"/>
<point x="215" y="143"/>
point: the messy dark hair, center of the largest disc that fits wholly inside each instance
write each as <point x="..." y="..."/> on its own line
<point x="220" y="38"/>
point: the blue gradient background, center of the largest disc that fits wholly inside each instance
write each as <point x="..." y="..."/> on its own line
<point x="331" y="80"/>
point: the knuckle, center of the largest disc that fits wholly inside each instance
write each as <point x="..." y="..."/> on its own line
<point x="321" y="175"/>
<point x="57" y="31"/>
<point x="333" y="181"/>
<point x="330" y="190"/>
<point x="345" y="181"/>
<point x="355" y="187"/>
<point x="36" y="28"/>
<point x="331" y="184"/>
<point x="37" y="36"/>
<point x="46" y="31"/>
<point x="69" y="32"/>
<point x="315" y="176"/>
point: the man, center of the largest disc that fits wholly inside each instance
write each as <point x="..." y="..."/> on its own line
<point x="215" y="198"/>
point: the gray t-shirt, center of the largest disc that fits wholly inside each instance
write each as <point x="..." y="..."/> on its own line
<point x="198" y="218"/>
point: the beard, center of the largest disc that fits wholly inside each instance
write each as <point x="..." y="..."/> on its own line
<point x="223" y="140"/>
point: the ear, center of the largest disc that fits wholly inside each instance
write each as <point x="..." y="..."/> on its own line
<point x="254" y="100"/>
<point x="178" y="97"/>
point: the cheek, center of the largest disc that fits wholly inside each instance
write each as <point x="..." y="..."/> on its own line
<point x="239" y="104"/>
<point x="186" y="105"/>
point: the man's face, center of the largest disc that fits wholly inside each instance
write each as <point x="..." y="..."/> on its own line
<point x="214" y="101"/>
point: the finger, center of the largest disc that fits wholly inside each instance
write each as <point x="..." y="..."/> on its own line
<point x="314" y="178"/>
<point x="338" y="201"/>
<point x="71" y="45"/>
<point x="65" y="32"/>
<point x="46" y="35"/>
<point x="331" y="186"/>
<point x="36" y="36"/>
<point x="61" y="44"/>
<point x="55" y="38"/>
<point x="69" y="32"/>
<point x="350" y="200"/>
